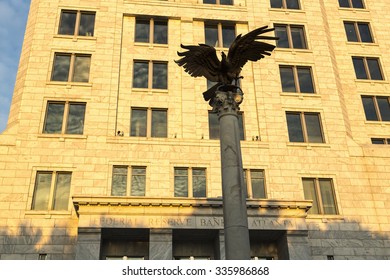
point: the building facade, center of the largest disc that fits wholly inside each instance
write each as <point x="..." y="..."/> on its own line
<point x="111" y="152"/>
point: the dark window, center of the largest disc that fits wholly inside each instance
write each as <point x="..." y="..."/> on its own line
<point x="321" y="191"/>
<point x="219" y="35"/>
<point x="304" y="127"/>
<point x="120" y="178"/>
<point x="376" y="108"/>
<point x="149" y="122"/>
<point x="71" y="68"/>
<point x="255" y="183"/>
<point x="380" y="141"/>
<point x="296" y="79"/>
<point x="51" y="191"/>
<point x="214" y="125"/>
<point x="159" y="123"/>
<point x="290" y="36"/>
<point x="285" y="4"/>
<point x="358" y="4"/>
<point x="189" y="182"/>
<point x="151" y="31"/>
<point x="367" y="68"/>
<point x="138" y="122"/>
<point x="150" y="74"/>
<point x="64" y="117"/>
<point x="358" y="32"/>
<point x="85" y="21"/>
<point x="218" y="2"/>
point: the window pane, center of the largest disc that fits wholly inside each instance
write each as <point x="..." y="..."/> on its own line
<point x="384" y="108"/>
<point x="67" y="23"/>
<point x="287" y="78"/>
<point x="257" y="180"/>
<point x="298" y="38"/>
<point x="160" y="32"/>
<point x="226" y="2"/>
<point x="87" y="24"/>
<point x="213" y="126"/>
<point x="54" y="117"/>
<point x="310" y="194"/>
<point x="75" y="124"/>
<point x="292" y="4"/>
<point x="281" y="32"/>
<point x="377" y="141"/>
<point x="160" y="78"/>
<point x="140" y="77"/>
<point x="42" y="191"/>
<point x="81" y="68"/>
<point x="350" y="32"/>
<point x="344" y="3"/>
<point x="181" y="182"/>
<point x="313" y="127"/>
<point x="358" y="4"/>
<point x="159" y="123"/>
<point x="142" y="31"/>
<point x="327" y="195"/>
<point x="305" y="80"/>
<point x="276" y="4"/>
<point x="241" y="125"/>
<point x="61" y="68"/>
<point x="119" y="181"/>
<point x="365" y="33"/>
<point x="369" y="108"/>
<point x="62" y="191"/>
<point x="374" y="68"/>
<point x="138" y="122"/>
<point x="209" y="1"/>
<point x="211" y="35"/>
<point x="138" y="181"/>
<point x="294" y="125"/>
<point x="360" y="71"/>
<point x="199" y="182"/>
<point x="228" y="35"/>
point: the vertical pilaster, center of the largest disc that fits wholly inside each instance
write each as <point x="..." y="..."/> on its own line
<point x="88" y="244"/>
<point x="160" y="244"/>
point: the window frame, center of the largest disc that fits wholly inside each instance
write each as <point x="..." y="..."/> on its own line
<point x="319" y="198"/>
<point x="367" y="69"/>
<point x="297" y="82"/>
<point x="357" y="31"/>
<point x="149" y="121"/>
<point x="76" y="31"/>
<point x="52" y="190"/>
<point x="150" y="82"/>
<point x="284" y="5"/>
<point x="379" y="114"/>
<point x="151" y="24"/>
<point x="190" y="181"/>
<point x="71" y="68"/>
<point x="289" y="33"/>
<point x="220" y="25"/>
<point x="65" y="117"/>
<point x="218" y="2"/>
<point x="249" y="183"/>
<point x="351" y="5"/>
<point x="305" y="133"/>
<point x="384" y="141"/>
<point x="129" y="179"/>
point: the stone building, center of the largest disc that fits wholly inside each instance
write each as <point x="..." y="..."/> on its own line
<point x="111" y="152"/>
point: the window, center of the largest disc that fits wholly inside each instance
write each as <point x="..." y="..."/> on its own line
<point x="214" y="125"/>
<point x="71" y="68"/>
<point x="219" y="35"/>
<point x="218" y="2"/>
<point x="358" y="32"/>
<point x="290" y="36"/>
<point x="321" y="191"/>
<point x="367" y="68"/>
<point x="304" y="127"/>
<point x="51" y="191"/>
<point x="150" y="75"/>
<point x="380" y="141"/>
<point x="376" y="108"/>
<point x="148" y="122"/>
<point x="64" y="118"/>
<point x="254" y="181"/>
<point x="77" y="23"/>
<point x="190" y="182"/>
<point x="285" y="4"/>
<point x="296" y="79"/>
<point x="123" y="185"/>
<point x="151" y="31"/>
<point x="357" y="4"/>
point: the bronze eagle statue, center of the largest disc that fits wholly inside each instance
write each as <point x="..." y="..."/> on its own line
<point x="201" y="60"/>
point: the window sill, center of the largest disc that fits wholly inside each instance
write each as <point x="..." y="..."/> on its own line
<point x="325" y="218"/>
<point x="300" y="95"/>
<point x="62" y="137"/>
<point x="68" y="85"/>
<point x="353" y="10"/>
<point x="75" y="38"/>
<point x="293" y="51"/>
<point x="149" y="91"/>
<point x="287" y="11"/>
<point x="151" y="45"/>
<point x="381" y="123"/>
<point x="362" y="44"/>
<point x="308" y="146"/>
<point x="372" y="82"/>
<point x="47" y="214"/>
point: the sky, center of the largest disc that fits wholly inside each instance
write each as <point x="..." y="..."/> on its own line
<point x="13" y="17"/>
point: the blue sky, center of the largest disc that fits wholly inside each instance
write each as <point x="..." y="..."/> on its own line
<point x="13" y="17"/>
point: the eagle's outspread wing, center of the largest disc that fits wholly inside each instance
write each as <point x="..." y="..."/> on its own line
<point x="247" y="47"/>
<point x="200" y="60"/>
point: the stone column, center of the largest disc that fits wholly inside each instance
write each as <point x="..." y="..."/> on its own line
<point x="298" y="245"/>
<point x="160" y="244"/>
<point x="233" y="189"/>
<point x="88" y="244"/>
